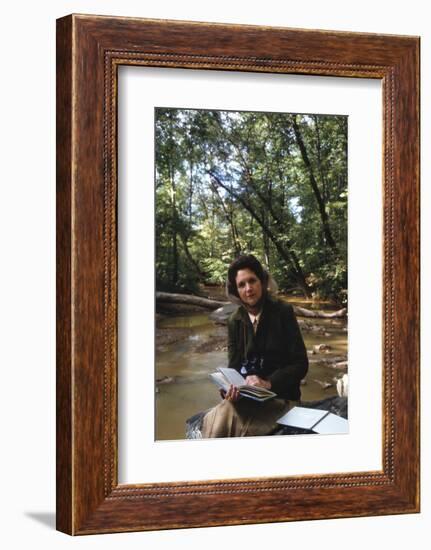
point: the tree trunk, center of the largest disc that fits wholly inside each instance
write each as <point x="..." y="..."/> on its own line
<point x="174" y="234"/>
<point x="174" y="207"/>
<point x="202" y="274"/>
<point x="321" y="205"/>
<point x="325" y="193"/>
<point x="229" y="218"/>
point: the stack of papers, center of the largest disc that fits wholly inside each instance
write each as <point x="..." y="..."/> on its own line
<point x="315" y="420"/>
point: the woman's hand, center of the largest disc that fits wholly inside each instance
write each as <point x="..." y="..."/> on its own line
<point x="232" y="394"/>
<point x="254" y="380"/>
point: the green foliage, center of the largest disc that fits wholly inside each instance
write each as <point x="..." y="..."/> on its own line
<point x="272" y="184"/>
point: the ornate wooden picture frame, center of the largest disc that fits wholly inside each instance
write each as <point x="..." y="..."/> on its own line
<point x="89" y="51"/>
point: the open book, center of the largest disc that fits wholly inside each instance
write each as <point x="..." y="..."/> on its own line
<point x="224" y="377"/>
<point x="315" y="420"/>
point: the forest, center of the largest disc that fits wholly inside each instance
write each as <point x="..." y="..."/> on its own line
<point x="270" y="184"/>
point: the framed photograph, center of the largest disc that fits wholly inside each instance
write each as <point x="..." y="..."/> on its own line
<point x="180" y="147"/>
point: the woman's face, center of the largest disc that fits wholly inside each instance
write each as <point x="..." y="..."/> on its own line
<point x="249" y="287"/>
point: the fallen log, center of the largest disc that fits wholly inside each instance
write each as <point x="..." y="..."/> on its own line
<point x="189" y="299"/>
<point x="301" y="311"/>
<point x="222" y="314"/>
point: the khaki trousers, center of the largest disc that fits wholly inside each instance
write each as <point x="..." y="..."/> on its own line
<point x="243" y="418"/>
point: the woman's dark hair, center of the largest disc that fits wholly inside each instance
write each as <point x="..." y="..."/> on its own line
<point x="245" y="262"/>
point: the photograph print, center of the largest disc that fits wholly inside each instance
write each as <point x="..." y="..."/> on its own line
<point x="251" y="274"/>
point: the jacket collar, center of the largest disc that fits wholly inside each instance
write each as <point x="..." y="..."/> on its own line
<point x="241" y="313"/>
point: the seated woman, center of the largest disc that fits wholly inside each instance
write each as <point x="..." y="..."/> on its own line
<point x="266" y="347"/>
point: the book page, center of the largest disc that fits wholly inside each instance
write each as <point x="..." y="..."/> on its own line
<point x="300" y="417"/>
<point x="219" y="379"/>
<point x="232" y="376"/>
<point x="332" y="424"/>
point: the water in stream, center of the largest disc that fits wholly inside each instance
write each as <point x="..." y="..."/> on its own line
<point x="183" y="366"/>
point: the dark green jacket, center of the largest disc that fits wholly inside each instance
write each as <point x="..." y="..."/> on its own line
<point x="278" y="340"/>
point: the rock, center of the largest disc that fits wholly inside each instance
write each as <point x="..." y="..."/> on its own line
<point x="338" y="363"/>
<point x="314" y="360"/>
<point x="324" y="385"/>
<point x="335" y="405"/>
<point x="336" y="358"/>
<point x="222" y="314"/>
<point x="340" y="360"/>
<point x="194" y="426"/>
<point x="165" y="380"/>
<point x="319" y="330"/>
<point x="342" y="385"/>
<point x="321" y="347"/>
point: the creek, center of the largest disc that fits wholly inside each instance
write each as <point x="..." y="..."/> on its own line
<point x="189" y="347"/>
